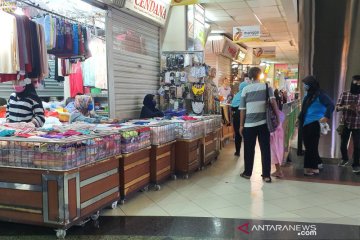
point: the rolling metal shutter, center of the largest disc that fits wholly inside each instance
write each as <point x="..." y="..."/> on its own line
<point x="51" y="87"/>
<point x="133" y="62"/>
<point x="223" y="68"/>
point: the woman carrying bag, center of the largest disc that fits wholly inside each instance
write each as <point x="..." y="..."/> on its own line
<point x="317" y="109"/>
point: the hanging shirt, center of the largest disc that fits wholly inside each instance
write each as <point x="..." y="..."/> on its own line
<point x="75" y="39"/>
<point x="76" y="80"/>
<point x="35" y="56"/>
<point x="9" y="54"/>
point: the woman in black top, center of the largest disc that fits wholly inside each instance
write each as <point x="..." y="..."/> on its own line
<point x="25" y="105"/>
<point x="149" y="109"/>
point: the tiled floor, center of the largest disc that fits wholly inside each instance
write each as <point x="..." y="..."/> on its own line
<point x="218" y="191"/>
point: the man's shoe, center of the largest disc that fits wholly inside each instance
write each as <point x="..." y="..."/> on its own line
<point x="356" y="169"/>
<point x="320" y="166"/>
<point x="343" y="163"/>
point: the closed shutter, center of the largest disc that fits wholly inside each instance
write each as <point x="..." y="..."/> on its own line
<point x="224" y="69"/>
<point x="134" y="62"/>
<point x="211" y="60"/>
<point x="51" y="87"/>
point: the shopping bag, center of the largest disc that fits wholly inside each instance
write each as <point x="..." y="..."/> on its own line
<point x="271" y="118"/>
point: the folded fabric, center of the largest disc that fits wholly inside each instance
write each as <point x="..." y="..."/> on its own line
<point x="7" y="133"/>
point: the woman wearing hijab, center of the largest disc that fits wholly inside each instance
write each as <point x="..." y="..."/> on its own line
<point x="149" y="109"/>
<point x="317" y="108"/>
<point x="25" y="105"/>
<point x="236" y="115"/>
<point x="83" y="111"/>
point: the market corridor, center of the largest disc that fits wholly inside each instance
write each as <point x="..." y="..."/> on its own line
<point x="211" y="204"/>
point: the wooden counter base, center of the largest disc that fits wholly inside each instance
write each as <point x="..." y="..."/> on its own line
<point x="162" y="162"/>
<point x="187" y="156"/>
<point x="134" y="172"/>
<point x="57" y="199"/>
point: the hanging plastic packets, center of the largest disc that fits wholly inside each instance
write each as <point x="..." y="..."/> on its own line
<point x="197" y="107"/>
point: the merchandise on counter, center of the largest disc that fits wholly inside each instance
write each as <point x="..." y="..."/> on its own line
<point x="190" y="129"/>
<point x="161" y="132"/>
<point x="134" y="138"/>
<point x="57" y="154"/>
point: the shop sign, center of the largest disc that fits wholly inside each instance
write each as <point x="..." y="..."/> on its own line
<point x="265" y="52"/>
<point x="241" y="56"/>
<point x="230" y="49"/>
<point x="156" y="10"/>
<point x="183" y="2"/>
<point x="246" y="33"/>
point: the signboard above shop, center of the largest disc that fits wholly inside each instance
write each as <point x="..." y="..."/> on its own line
<point x="156" y="10"/>
<point x="264" y="52"/>
<point x="183" y="2"/>
<point x="230" y="49"/>
<point x="246" y="34"/>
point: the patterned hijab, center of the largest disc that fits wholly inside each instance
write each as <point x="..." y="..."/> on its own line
<point x="82" y="102"/>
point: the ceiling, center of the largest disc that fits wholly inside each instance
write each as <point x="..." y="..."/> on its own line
<point x="277" y="18"/>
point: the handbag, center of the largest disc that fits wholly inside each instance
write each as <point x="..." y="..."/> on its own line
<point x="271" y="118"/>
<point x="341" y="127"/>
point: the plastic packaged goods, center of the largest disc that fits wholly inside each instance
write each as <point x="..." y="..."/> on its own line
<point x="212" y="123"/>
<point x="58" y="154"/>
<point x="191" y="129"/>
<point x="134" y="138"/>
<point x="162" y="133"/>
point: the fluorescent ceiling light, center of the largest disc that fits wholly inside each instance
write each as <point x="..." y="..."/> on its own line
<point x="215" y="37"/>
<point x="258" y="19"/>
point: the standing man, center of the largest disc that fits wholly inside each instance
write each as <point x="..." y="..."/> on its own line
<point x="349" y="104"/>
<point x="253" y="124"/>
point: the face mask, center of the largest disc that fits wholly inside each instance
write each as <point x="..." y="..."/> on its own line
<point x="306" y="87"/>
<point x="19" y="88"/>
<point x="90" y="107"/>
<point x="355" y="88"/>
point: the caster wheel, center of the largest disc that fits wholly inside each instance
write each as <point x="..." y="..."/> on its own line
<point x="96" y="224"/>
<point x="186" y="176"/>
<point x="157" y="187"/>
<point x="60" y="233"/>
<point x="114" y="205"/>
<point x="95" y="216"/>
<point x="173" y="177"/>
<point x="122" y="202"/>
<point x="202" y="168"/>
<point x="145" y="189"/>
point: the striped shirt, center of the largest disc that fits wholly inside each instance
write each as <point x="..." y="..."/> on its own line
<point x="253" y="101"/>
<point x="25" y="110"/>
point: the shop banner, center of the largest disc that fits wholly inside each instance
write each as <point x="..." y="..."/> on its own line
<point x="156" y="10"/>
<point x="183" y="2"/>
<point x="265" y="52"/>
<point x="230" y="49"/>
<point x="246" y="34"/>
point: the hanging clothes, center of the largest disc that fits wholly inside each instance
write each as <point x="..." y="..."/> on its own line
<point x="9" y="54"/>
<point x="76" y="80"/>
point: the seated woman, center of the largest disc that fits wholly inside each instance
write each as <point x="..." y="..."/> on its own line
<point x="83" y="111"/>
<point x="25" y="105"/>
<point x="149" y="109"/>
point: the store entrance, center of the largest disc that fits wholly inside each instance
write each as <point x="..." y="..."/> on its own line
<point x="72" y="56"/>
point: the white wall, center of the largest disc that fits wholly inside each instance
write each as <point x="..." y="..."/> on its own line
<point x="175" y="31"/>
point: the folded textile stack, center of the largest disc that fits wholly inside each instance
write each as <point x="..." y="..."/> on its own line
<point x="134" y="138"/>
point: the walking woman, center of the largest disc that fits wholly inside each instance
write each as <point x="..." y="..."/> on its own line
<point x="236" y="115"/>
<point x="317" y="108"/>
